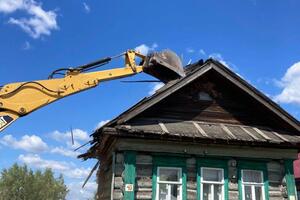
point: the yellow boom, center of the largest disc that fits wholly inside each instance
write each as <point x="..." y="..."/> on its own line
<point x="19" y="99"/>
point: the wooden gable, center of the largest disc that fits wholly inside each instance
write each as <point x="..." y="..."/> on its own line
<point x="210" y="104"/>
<point x="212" y="98"/>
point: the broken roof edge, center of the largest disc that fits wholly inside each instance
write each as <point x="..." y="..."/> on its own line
<point x="194" y="73"/>
<point x="123" y="132"/>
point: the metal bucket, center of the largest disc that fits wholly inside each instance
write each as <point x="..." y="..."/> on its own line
<point x="164" y="65"/>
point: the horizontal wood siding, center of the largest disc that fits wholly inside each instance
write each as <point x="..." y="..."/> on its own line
<point x="144" y="176"/>
<point x="118" y="192"/>
<point x="144" y="173"/>
<point x="191" y="179"/>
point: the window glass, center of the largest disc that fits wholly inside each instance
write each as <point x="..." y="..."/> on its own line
<point x="163" y="191"/>
<point x="258" y="193"/>
<point x="248" y="193"/>
<point x="174" y="192"/>
<point x="252" y="185"/>
<point x="169" y="183"/>
<point x="218" y="192"/>
<point x="212" y="174"/>
<point x="169" y="174"/>
<point x="212" y="183"/>
<point x="206" y="191"/>
<point x="252" y="176"/>
<point x="204" y="96"/>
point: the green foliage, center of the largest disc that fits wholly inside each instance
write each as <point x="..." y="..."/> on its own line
<point x="21" y="183"/>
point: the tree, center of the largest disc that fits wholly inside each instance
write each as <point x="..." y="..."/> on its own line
<point x="21" y="183"/>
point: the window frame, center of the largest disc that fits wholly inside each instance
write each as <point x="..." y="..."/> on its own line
<point x="169" y="161"/>
<point x="212" y="163"/>
<point x="253" y="185"/>
<point x="169" y="182"/>
<point x="212" y="182"/>
<point x="256" y="166"/>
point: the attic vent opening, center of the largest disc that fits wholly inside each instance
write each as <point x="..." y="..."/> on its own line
<point x="204" y="96"/>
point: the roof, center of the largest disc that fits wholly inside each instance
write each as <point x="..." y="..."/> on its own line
<point x="197" y="130"/>
<point x="204" y="130"/>
<point x="193" y="72"/>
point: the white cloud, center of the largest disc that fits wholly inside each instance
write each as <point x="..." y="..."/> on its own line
<point x="39" y="22"/>
<point x="64" y="152"/>
<point x="9" y="6"/>
<point x="101" y="123"/>
<point x="290" y="84"/>
<point x="35" y="160"/>
<point x="86" y="7"/>
<point x="65" y="168"/>
<point x="79" y="136"/>
<point x="78" y="173"/>
<point x="144" y="49"/>
<point x="155" y="87"/>
<point x="77" y="192"/>
<point x="28" y="143"/>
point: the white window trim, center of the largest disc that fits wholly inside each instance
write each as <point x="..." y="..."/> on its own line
<point x="262" y="185"/>
<point x="169" y="182"/>
<point x="212" y="182"/>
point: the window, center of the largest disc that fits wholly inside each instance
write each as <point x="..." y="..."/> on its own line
<point x="203" y="96"/>
<point x="212" y="179"/>
<point x="252" y="185"/>
<point x="212" y="183"/>
<point x="169" y="183"/>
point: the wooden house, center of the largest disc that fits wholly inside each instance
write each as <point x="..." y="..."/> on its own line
<point x="207" y="136"/>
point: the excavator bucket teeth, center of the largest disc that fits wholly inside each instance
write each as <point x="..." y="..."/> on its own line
<point x="164" y="65"/>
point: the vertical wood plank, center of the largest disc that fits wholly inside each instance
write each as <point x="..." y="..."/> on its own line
<point x="130" y="174"/>
<point x="290" y="179"/>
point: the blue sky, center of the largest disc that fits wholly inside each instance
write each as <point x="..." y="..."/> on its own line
<point x="260" y="40"/>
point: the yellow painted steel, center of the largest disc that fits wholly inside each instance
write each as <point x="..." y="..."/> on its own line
<point x="19" y="99"/>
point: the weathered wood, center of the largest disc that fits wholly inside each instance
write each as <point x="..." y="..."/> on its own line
<point x="237" y="115"/>
<point x="143" y="195"/>
<point x="209" y="150"/>
<point x="233" y="195"/>
<point x="119" y="158"/>
<point x="143" y="189"/>
<point x="118" y="195"/>
<point x="130" y="173"/>
<point x="191" y="194"/>
<point x="118" y="182"/>
<point x="144" y="170"/>
<point x="104" y="175"/>
<point x="144" y="182"/>
<point x="229" y="105"/>
<point x="143" y="159"/>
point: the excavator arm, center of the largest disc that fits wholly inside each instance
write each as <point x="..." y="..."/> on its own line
<point x="20" y="99"/>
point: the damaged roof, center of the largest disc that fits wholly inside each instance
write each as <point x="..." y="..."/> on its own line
<point x="197" y="130"/>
